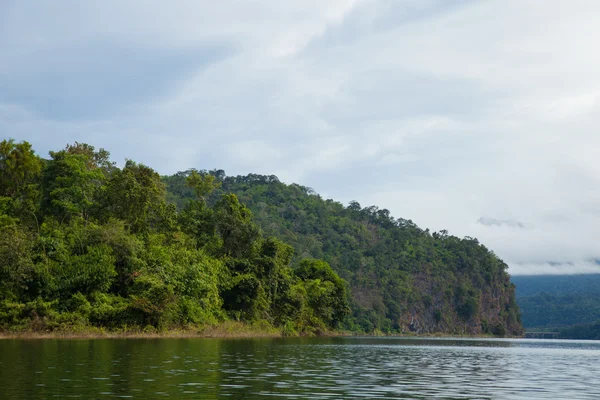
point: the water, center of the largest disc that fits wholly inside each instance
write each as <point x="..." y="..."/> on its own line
<point x="320" y="368"/>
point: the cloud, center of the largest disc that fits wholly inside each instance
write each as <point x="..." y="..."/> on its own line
<point x="441" y="111"/>
<point x="92" y="85"/>
<point x="489" y="221"/>
<point x="552" y="268"/>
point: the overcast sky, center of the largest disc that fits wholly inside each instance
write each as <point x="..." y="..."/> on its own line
<point x="481" y="117"/>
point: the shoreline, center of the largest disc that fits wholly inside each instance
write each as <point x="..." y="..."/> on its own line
<point x="178" y="334"/>
<point x="226" y="330"/>
<point x="223" y="331"/>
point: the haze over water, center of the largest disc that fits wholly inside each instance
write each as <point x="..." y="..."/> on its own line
<point x="319" y="368"/>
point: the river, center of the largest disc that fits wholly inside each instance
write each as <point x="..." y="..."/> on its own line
<point x="300" y="368"/>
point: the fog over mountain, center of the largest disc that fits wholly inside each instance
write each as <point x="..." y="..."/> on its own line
<point x="479" y="117"/>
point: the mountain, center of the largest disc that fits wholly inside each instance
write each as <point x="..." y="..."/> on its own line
<point x="85" y="244"/>
<point x="401" y="278"/>
<point x="557" y="301"/>
<point x="581" y="331"/>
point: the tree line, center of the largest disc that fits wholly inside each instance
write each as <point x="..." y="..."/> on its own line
<point x="401" y="278"/>
<point x="84" y="243"/>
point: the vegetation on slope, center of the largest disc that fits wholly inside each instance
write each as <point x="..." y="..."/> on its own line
<point x="581" y="331"/>
<point x="559" y="302"/>
<point x="528" y="285"/>
<point x="86" y="244"/>
<point x="401" y="278"/>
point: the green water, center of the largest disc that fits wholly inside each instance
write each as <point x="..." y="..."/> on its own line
<point x="320" y="368"/>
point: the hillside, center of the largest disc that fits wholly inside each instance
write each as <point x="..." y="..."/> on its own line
<point x="401" y="278"/>
<point x="581" y="331"/>
<point x="86" y="245"/>
<point x="528" y="285"/>
<point x="556" y="301"/>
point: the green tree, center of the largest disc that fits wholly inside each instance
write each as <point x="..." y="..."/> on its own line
<point x="203" y="184"/>
<point x="71" y="186"/>
<point x="94" y="158"/>
<point x="136" y="195"/>
<point x="16" y="264"/>
<point x="197" y="218"/>
<point x="326" y="291"/>
<point x="20" y="172"/>
<point x="234" y="225"/>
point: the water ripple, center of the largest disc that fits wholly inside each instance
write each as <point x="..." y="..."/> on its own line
<point x="329" y="368"/>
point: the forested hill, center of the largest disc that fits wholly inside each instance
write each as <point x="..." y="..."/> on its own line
<point x="87" y="245"/>
<point x="401" y="278"/>
<point x="557" y="301"/>
<point x="562" y="285"/>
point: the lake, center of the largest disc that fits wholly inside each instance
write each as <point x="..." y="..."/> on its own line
<point x="300" y="368"/>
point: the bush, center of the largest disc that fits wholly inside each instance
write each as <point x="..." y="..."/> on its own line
<point x="152" y="299"/>
<point x="499" y="330"/>
<point x="110" y="311"/>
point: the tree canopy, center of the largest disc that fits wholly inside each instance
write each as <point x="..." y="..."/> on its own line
<point x="399" y="277"/>
<point x="85" y="243"/>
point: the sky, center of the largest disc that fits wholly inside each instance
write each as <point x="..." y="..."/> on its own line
<point x="477" y="116"/>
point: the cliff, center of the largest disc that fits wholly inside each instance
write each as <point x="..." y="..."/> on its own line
<point x="401" y="278"/>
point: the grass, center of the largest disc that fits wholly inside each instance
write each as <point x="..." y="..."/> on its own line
<point x="227" y="329"/>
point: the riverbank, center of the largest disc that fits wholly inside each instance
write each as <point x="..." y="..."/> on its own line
<point x="228" y="329"/>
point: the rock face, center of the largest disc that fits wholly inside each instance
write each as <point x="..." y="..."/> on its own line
<point x="493" y="311"/>
<point x="401" y="278"/>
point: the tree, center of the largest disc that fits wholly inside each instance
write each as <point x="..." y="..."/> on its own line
<point x="94" y="159"/>
<point x="196" y="218"/>
<point x="20" y="172"/>
<point x="203" y="184"/>
<point x="326" y="291"/>
<point x="19" y="168"/>
<point x="16" y="265"/>
<point x="71" y="185"/>
<point x="137" y="195"/>
<point x="234" y="225"/>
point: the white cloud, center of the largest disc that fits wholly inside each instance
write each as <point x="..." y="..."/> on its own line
<point x="441" y="111"/>
<point x="580" y="267"/>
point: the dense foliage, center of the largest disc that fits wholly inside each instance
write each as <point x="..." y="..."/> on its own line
<point x="528" y="285"/>
<point x="557" y="301"/>
<point x="85" y="243"/>
<point x="582" y="331"/>
<point x="401" y="278"/>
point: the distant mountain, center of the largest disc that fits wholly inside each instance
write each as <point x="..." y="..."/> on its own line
<point x="401" y="277"/>
<point x="556" y="301"/>
<point x="582" y="331"/>
<point x="528" y="285"/>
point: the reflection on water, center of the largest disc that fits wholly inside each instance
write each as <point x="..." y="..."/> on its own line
<point x="320" y="368"/>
